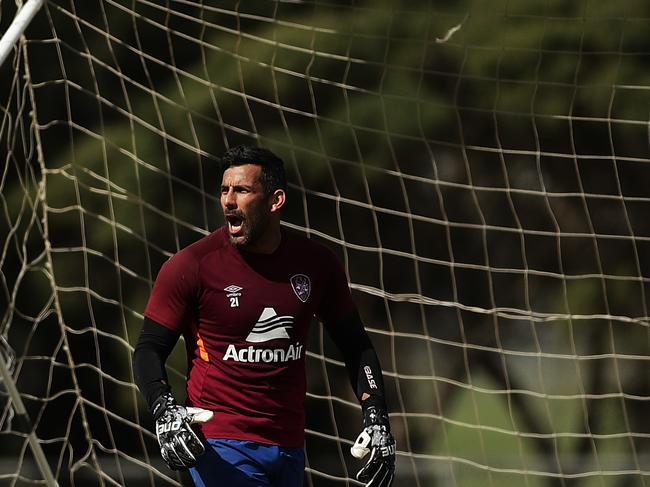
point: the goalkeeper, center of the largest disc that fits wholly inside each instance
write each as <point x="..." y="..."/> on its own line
<point x="243" y="298"/>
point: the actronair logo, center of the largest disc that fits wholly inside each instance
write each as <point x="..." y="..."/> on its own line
<point x="268" y="355"/>
<point x="269" y="326"/>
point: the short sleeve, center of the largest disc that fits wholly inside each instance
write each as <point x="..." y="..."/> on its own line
<point x="174" y="292"/>
<point x="337" y="302"/>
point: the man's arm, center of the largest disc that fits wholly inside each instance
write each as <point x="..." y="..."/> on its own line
<point x="155" y="344"/>
<point x="367" y="381"/>
<point x="179" y="445"/>
<point x="360" y="360"/>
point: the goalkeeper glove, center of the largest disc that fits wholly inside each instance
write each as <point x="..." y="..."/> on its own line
<point x="179" y="445"/>
<point x="376" y="439"/>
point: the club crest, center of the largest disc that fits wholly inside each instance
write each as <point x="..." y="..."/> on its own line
<point x="301" y="286"/>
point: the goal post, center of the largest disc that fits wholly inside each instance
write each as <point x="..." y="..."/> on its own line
<point x="17" y="27"/>
<point x="480" y="168"/>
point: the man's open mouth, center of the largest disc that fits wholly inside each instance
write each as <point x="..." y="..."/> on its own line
<point x="235" y="224"/>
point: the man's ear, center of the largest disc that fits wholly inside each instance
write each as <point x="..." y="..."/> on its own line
<point x="277" y="200"/>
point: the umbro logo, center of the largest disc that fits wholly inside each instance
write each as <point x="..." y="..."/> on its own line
<point x="270" y="326"/>
<point x="233" y="294"/>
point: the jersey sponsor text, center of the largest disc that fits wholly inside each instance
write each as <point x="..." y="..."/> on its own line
<point x="268" y="355"/>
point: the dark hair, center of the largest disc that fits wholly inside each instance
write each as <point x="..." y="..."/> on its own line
<point x="273" y="175"/>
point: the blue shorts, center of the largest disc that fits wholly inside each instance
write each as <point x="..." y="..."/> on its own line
<point x="236" y="463"/>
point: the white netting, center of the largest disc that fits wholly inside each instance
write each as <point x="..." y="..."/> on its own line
<point x="481" y="168"/>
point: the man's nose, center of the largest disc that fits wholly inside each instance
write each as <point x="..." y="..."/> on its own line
<point x="229" y="199"/>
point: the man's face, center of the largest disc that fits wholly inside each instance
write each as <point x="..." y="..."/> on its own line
<point x="246" y="208"/>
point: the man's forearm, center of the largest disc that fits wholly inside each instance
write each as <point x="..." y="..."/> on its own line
<point x="154" y="346"/>
<point x="360" y="360"/>
<point x="370" y="381"/>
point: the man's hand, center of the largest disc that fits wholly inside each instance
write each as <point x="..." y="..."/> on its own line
<point x="179" y="445"/>
<point x="376" y="440"/>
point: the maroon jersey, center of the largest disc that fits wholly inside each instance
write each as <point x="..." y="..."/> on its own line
<point x="245" y="318"/>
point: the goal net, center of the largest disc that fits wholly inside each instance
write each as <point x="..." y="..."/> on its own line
<point x="481" y="169"/>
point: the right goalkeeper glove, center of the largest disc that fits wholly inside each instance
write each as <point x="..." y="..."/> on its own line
<point x="376" y="439"/>
<point x="179" y="445"/>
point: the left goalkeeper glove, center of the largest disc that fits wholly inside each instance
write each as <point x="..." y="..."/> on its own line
<point x="377" y="439"/>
